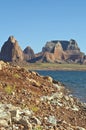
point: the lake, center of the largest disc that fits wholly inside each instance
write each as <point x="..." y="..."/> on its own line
<point x="73" y="80"/>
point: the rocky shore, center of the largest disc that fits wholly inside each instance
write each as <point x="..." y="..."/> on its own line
<point x="29" y="101"/>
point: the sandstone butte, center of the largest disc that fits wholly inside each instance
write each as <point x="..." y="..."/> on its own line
<point x="58" y="51"/>
<point x="29" y="101"/>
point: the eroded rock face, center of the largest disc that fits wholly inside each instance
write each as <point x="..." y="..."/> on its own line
<point x="28" y="53"/>
<point x="73" y="45"/>
<point x="56" y="54"/>
<point x="57" y="51"/>
<point x="66" y="45"/>
<point x="11" y="51"/>
<point x="63" y="51"/>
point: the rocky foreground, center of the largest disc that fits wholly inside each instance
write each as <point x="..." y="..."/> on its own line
<point x="29" y="101"/>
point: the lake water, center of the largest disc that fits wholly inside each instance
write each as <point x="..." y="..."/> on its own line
<point x="73" y="80"/>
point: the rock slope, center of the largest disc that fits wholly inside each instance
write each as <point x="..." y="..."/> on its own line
<point x="29" y="101"/>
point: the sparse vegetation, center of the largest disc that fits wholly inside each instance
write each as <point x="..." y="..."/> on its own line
<point x="38" y="128"/>
<point x="16" y="75"/>
<point x="9" y="89"/>
<point x="55" y="66"/>
<point x="34" y="108"/>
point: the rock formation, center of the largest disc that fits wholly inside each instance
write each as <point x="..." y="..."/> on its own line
<point x="28" y="53"/>
<point x="62" y="51"/>
<point x="57" y="51"/>
<point x="11" y="51"/>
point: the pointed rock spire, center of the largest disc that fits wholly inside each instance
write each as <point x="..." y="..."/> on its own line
<point x="11" y="51"/>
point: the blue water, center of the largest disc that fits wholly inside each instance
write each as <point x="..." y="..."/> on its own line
<point x="73" y="80"/>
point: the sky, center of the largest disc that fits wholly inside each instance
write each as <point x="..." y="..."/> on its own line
<point x="34" y="22"/>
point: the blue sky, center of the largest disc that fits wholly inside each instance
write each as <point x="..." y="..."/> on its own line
<point x="34" y="22"/>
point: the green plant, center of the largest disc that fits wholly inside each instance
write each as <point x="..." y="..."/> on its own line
<point x="34" y="108"/>
<point x="16" y="75"/>
<point x="9" y="89"/>
<point x="23" y="106"/>
<point x="38" y="128"/>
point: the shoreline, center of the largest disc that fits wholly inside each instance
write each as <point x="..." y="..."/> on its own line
<point x="57" y="69"/>
<point x="64" y="76"/>
<point x="51" y="66"/>
<point x="54" y="66"/>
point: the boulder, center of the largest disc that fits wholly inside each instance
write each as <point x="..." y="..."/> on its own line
<point x="2" y="65"/>
<point x="48" y="78"/>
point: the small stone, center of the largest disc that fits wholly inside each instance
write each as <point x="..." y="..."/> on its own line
<point x="14" y="113"/>
<point x="50" y="79"/>
<point x="26" y="112"/>
<point x="25" y="123"/>
<point x="67" y="98"/>
<point x="75" y="108"/>
<point x="57" y="86"/>
<point x="3" y="123"/>
<point x="36" y="120"/>
<point x="80" y="128"/>
<point x="2" y="64"/>
<point x="52" y="120"/>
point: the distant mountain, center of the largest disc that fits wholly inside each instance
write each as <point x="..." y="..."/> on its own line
<point x="57" y="51"/>
<point x="11" y="51"/>
<point x="61" y="51"/>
